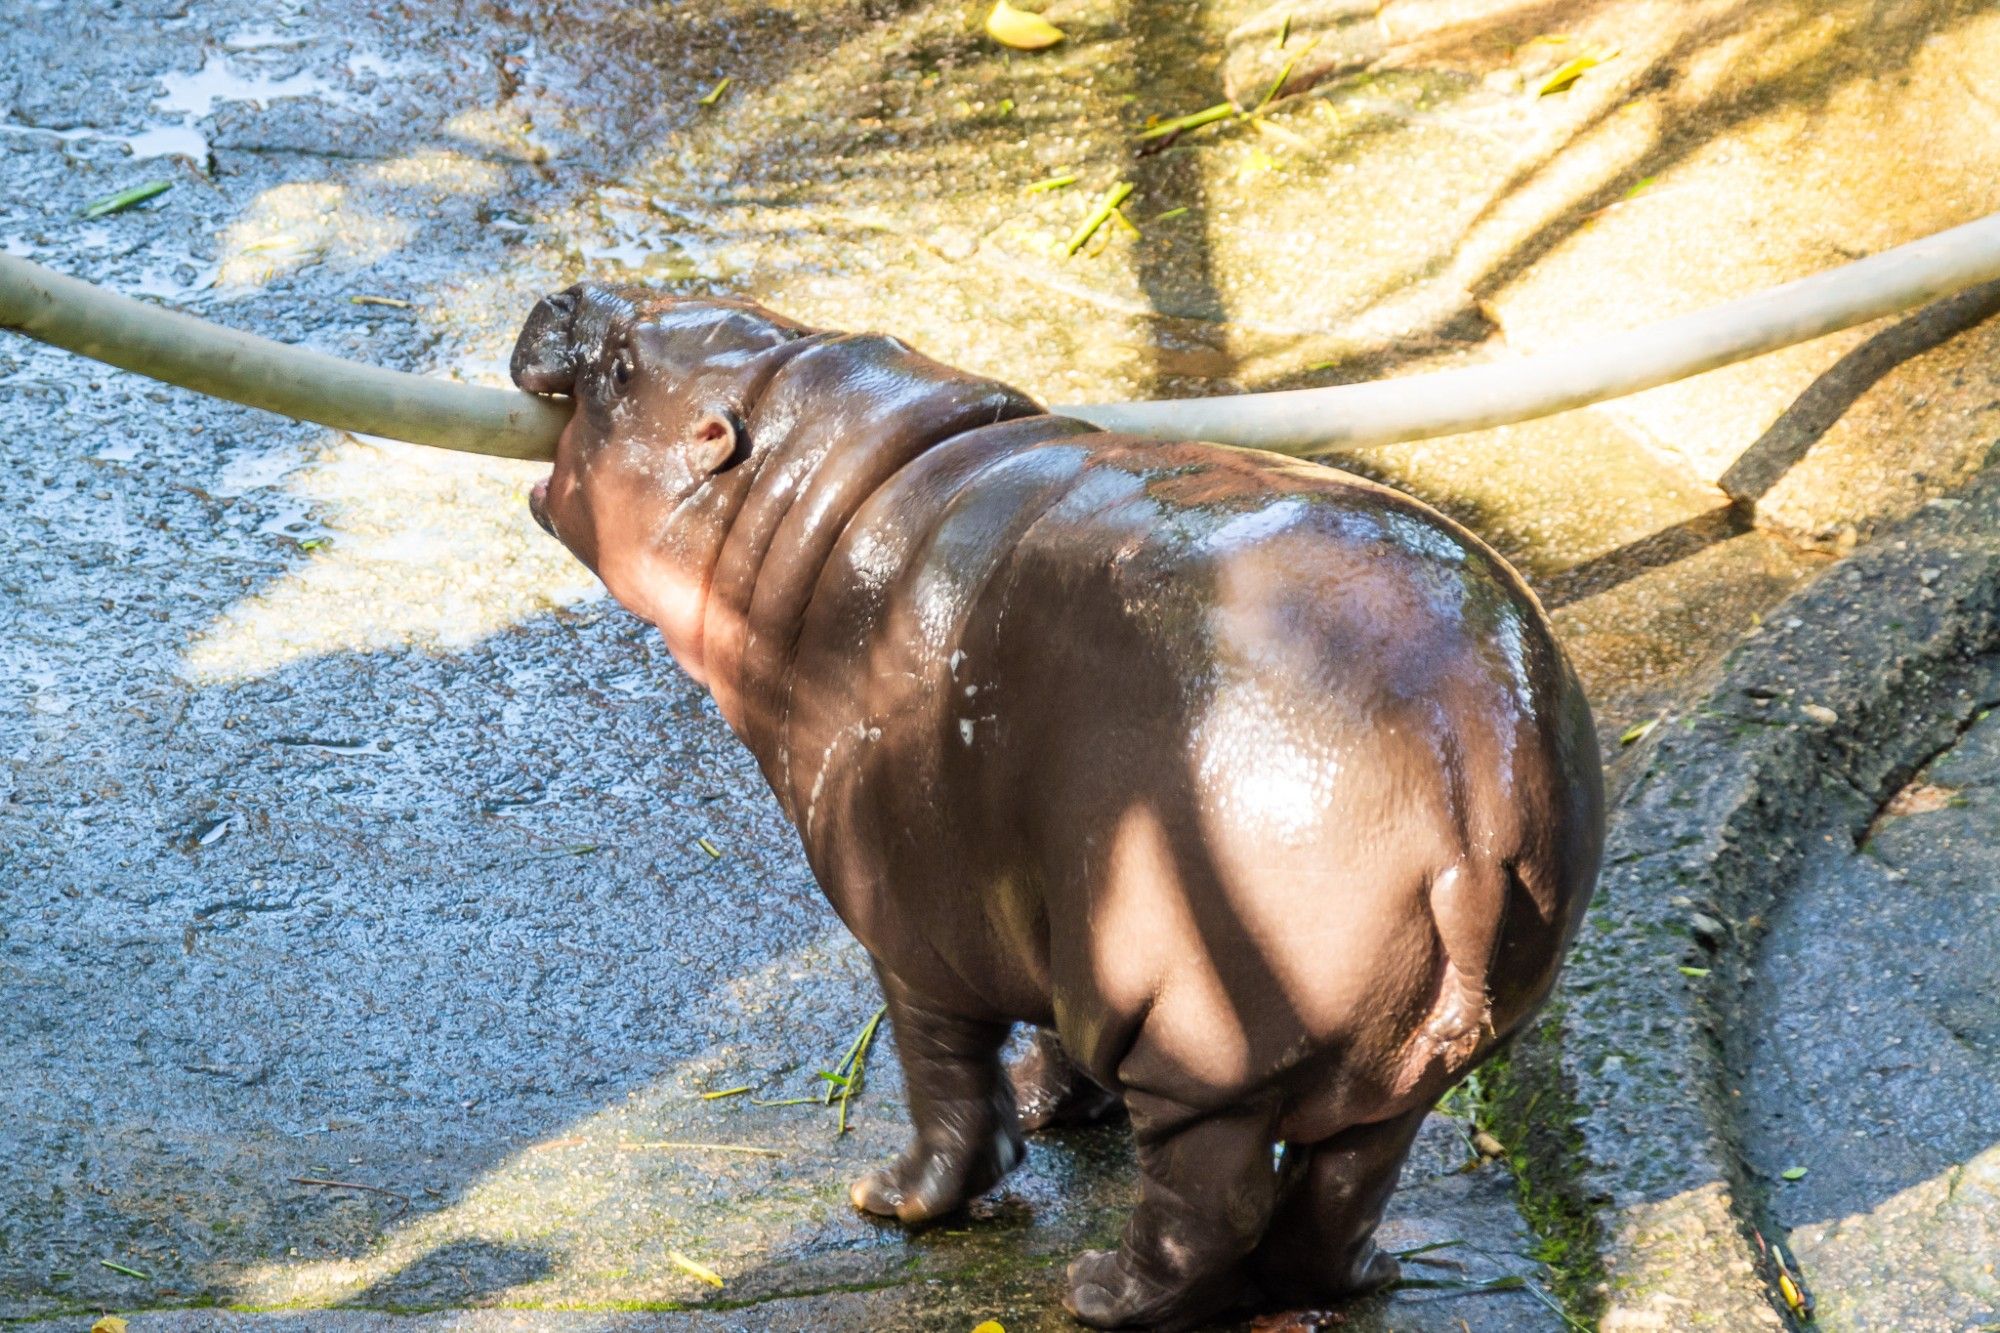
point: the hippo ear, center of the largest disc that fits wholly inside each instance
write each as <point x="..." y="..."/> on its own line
<point x="712" y="441"/>
<point x="545" y="355"/>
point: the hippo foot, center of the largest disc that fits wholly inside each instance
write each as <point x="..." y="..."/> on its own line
<point x="1367" y="1270"/>
<point x="1106" y="1290"/>
<point x="1051" y="1092"/>
<point x="1373" y="1270"/>
<point x="927" y="1183"/>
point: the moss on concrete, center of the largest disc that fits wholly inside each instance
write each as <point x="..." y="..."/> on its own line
<point x="1524" y="1102"/>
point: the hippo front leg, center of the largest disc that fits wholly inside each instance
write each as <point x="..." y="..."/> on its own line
<point x="1051" y="1091"/>
<point x="962" y="1108"/>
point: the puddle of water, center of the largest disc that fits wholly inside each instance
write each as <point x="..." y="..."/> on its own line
<point x="168" y="285"/>
<point x="635" y="237"/>
<point x="196" y="95"/>
<point x="67" y="136"/>
<point x="153" y="141"/>
<point x="188" y="98"/>
<point x="165" y="141"/>
<point x="247" y="471"/>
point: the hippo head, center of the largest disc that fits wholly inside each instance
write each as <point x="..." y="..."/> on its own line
<point x="642" y="488"/>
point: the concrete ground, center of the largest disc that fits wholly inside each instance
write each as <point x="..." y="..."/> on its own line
<point x="348" y="835"/>
<point x="1872" y="1108"/>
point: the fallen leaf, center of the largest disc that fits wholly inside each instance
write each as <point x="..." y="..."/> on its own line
<point x="1793" y="1173"/>
<point x="1794" y="1295"/>
<point x="1157" y="129"/>
<point x="694" y="1269"/>
<point x="1099" y="215"/>
<point x="1020" y="29"/>
<point x="1570" y="71"/>
<point x="1638" y="732"/>
<point x="124" y="199"/>
<point x="111" y="1323"/>
<point x="989" y="1326"/>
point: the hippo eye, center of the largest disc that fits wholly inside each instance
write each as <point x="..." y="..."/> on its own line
<point x="621" y="371"/>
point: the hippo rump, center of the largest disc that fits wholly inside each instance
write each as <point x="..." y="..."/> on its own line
<point x="1262" y="791"/>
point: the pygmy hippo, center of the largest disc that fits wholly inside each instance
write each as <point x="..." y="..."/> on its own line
<point x="1264" y="792"/>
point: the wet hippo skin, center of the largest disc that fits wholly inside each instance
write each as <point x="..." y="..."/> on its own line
<point x="1262" y="791"/>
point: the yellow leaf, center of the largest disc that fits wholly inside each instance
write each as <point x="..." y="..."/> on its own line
<point x="1570" y="71"/>
<point x="694" y="1269"/>
<point x="1020" y="29"/>
<point x="1634" y="734"/>
<point x="1566" y="74"/>
<point x="111" y="1323"/>
<point x="990" y="1326"/>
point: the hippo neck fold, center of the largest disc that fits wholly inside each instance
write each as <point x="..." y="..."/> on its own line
<point x="835" y="422"/>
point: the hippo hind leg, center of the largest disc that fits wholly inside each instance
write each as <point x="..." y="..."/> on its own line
<point x="1206" y="1194"/>
<point x="962" y="1108"/>
<point x="1051" y="1091"/>
<point x="1321" y="1243"/>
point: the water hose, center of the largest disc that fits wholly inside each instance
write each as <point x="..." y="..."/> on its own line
<point x="1448" y="402"/>
<point x="278" y="377"/>
<point x="312" y="386"/>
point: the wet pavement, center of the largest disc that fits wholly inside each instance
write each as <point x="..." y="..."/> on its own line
<point x="1871" y="1109"/>
<point x="347" y="834"/>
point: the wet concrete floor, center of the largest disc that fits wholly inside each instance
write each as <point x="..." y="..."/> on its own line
<point x="1869" y="1097"/>
<point x="350" y="835"/>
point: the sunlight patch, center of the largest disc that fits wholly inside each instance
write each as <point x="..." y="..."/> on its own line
<point x="305" y="222"/>
<point x="404" y="546"/>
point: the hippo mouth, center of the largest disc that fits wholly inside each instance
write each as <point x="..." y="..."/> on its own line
<point x="538" y="504"/>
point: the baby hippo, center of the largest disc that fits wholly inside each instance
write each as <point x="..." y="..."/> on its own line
<point x="1262" y="791"/>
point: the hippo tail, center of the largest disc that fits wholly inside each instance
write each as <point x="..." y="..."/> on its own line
<point x="1503" y="919"/>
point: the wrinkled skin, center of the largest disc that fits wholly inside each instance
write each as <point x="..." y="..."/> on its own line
<point x="1263" y="791"/>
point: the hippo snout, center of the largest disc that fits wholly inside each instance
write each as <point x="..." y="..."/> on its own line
<point x="546" y="355"/>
